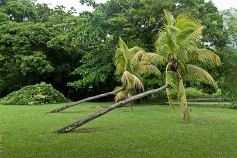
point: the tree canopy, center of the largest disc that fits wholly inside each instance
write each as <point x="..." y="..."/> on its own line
<point x="76" y="53"/>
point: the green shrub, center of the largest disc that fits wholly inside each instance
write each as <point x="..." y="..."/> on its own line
<point x="34" y="94"/>
<point x="195" y="93"/>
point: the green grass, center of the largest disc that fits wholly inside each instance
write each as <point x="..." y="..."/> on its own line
<point x="148" y="131"/>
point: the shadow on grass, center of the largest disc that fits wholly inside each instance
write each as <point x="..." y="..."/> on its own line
<point x="89" y="130"/>
<point x="71" y="112"/>
<point x="85" y="130"/>
<point x="233" y="107"/>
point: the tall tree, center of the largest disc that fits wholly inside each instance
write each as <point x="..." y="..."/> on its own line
<point x="227" y="73"/>
<point x="230" y="22"/>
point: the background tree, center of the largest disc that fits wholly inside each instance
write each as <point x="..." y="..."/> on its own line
<point x="230" y="22"/>
<point x="69" y="43"/>
<point x="228" y="54"/>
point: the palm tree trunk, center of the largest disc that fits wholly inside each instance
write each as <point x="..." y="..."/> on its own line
<point x="86" y="99"/>
<point x="107" y="109"/>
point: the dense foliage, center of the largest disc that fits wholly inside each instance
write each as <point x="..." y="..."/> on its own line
<point x="34" y="95"/>
<point x="76" y="53"/>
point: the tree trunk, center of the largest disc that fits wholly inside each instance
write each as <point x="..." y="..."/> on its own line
<point x="107" y="109"/>
<point x="85" y="100"/>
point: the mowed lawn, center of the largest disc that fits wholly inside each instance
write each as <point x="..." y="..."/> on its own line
<point x="149" y="131"/>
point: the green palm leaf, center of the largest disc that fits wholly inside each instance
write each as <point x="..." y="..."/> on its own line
<point x="120" y="61"/>
<point x="134" y="50"/>
<point x="122" y="45"/>
<point x="170" y="100"/>
<point x="132" y="83"/>
<point x="186" y="21"/>
<point x="155" y="59"/>
<point x="144" y="67"/>
<point x="193" y="39"/>
<point x="169" y="18"/>
<point x="162" y="46"/>
<point x="121" y="96"/>
<point x="205" y="56"/>
<point x="171" y="79"/>
<point x="195" y="73"/>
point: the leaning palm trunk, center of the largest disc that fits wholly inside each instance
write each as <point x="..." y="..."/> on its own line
<point x="107" y="109"/>
<point x="86" y="99"/>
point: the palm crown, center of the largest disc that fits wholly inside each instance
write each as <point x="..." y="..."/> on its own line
<point x="131" y="64"/>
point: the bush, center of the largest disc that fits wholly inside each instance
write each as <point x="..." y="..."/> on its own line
<point x="34" y="94"/>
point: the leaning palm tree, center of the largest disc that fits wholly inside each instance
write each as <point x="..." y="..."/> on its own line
<point x="179" y="43"/>
<point x="130" y="65"/>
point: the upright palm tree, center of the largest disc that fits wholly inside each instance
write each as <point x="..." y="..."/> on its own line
<point x="178" y="43"/>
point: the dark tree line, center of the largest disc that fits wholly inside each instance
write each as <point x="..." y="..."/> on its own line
<point x="76" y="53"/>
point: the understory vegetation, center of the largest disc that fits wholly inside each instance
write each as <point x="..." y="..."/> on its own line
<point x="34" y="95"/>
<point x="150" y="130"/>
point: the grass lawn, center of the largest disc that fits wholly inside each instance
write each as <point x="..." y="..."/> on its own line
<point x="150" y="131"/>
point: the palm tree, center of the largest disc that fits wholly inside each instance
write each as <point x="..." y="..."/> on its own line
<point x="130" y="65"/>
<point x="178" y="43"/>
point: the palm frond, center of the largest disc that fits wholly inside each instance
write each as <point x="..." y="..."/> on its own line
<point x="187" y="20"/>
<point x="134" y="50"/>
<point x="120" y="62"/>
<point x="137" y="57"/>
<point x="192" y="39"/>
<point x="155" y="59"/>
<point x="195" y="73"/>
<point x="132" y="83"/>
<point x="183" y="103"/>
<point x="169" y="97"/>
<point x="171" y="78"/>
<point x="171" y="37"/>
<point x="169" y="18"/>
<point x="122" y="45"/>
<point x="121" y="96"/>
<point x="162" y="46"/>
<point x="143" y="62"/>
<point x="144" y="67"/>
<point x="206" y="56"/>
